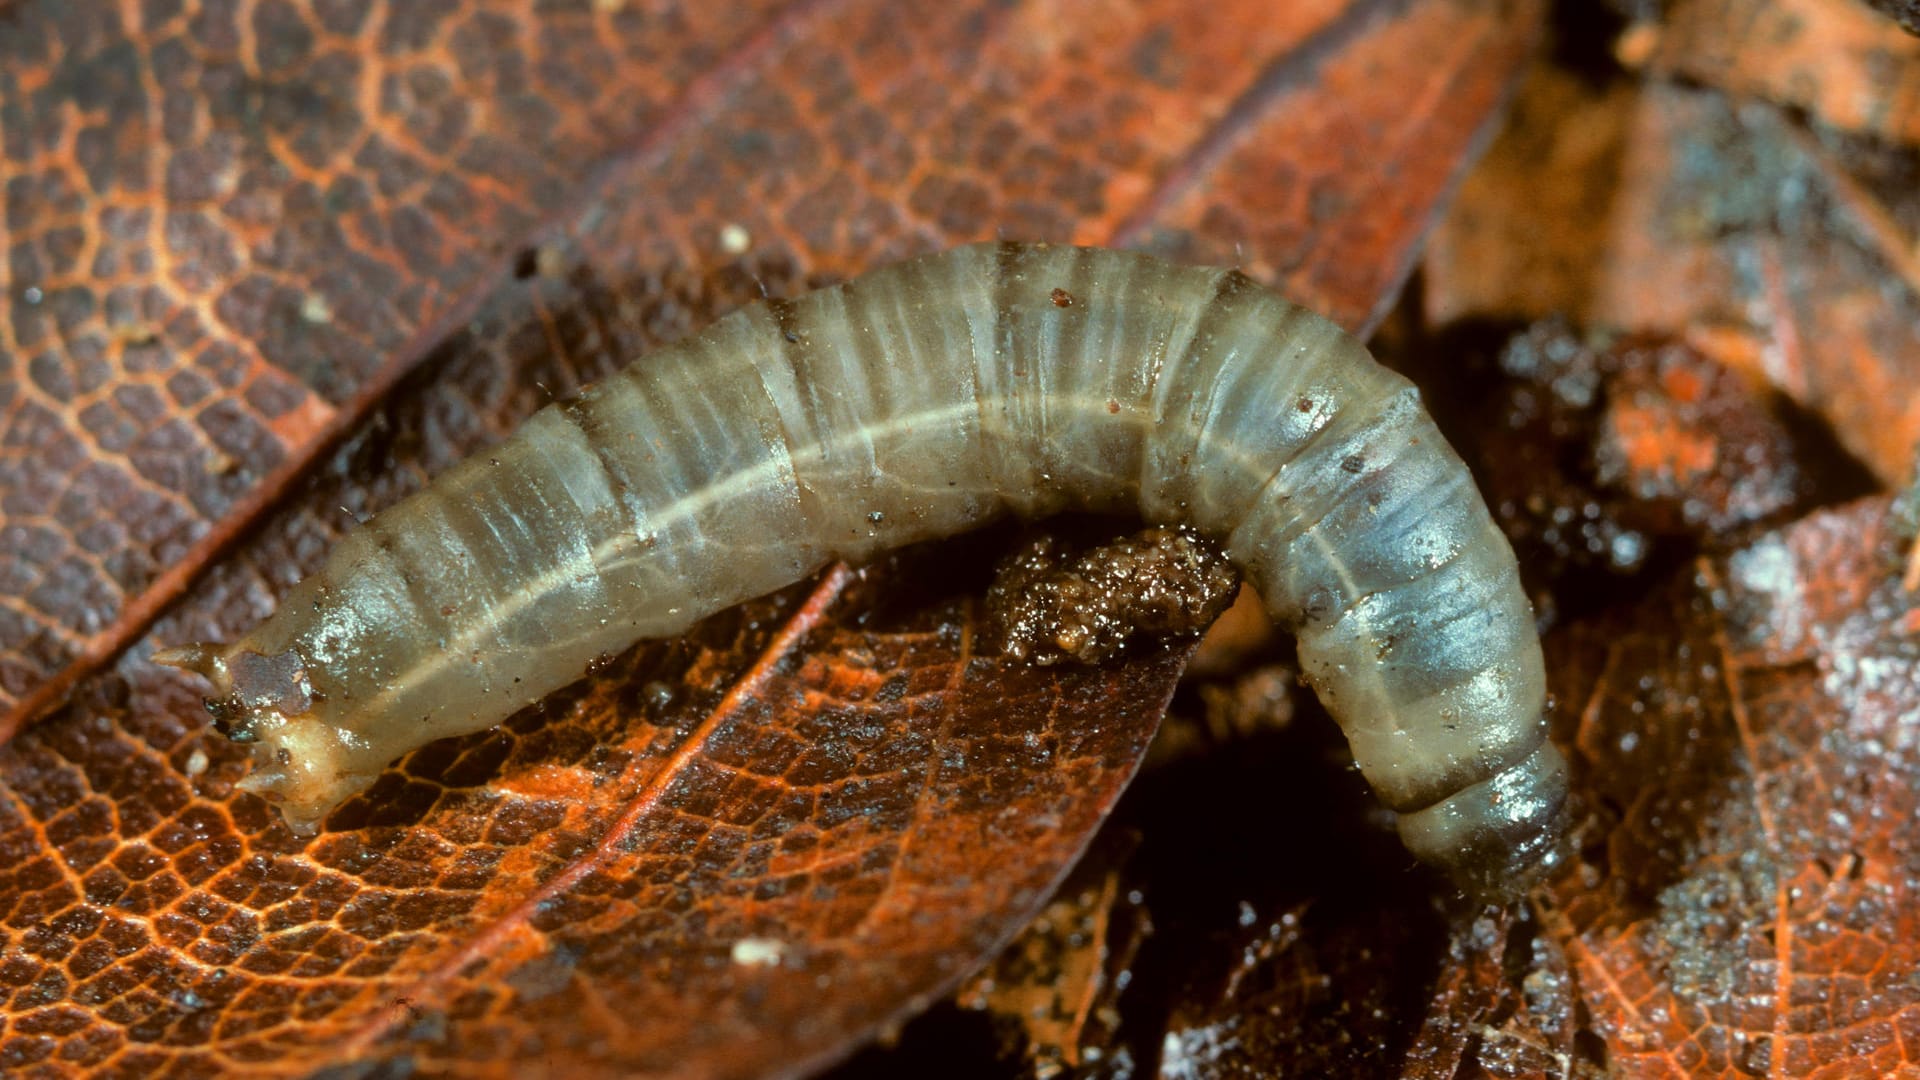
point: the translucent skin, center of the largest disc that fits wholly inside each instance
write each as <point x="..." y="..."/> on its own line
<point x="918" y="401"/>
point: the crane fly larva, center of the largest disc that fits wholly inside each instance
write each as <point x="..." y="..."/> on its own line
<point x="914" y="402"/>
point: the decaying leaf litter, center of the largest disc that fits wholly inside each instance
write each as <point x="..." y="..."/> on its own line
<point x="205" y="922"/>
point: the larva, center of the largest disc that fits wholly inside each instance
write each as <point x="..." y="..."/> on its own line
<point x="914" y="402"/>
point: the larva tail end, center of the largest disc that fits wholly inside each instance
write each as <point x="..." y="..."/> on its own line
<point x="264" y="703"/>
<point x="303" y="767"/>
<point x="290" y="784"/>
<point x="1502" y="836"/>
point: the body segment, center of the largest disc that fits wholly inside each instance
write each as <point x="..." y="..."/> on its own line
<point x="915" y="402"/>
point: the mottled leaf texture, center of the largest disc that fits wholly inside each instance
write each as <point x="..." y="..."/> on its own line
<point x="271" y="265"/>
<point x="228" y="228"/>
<point x="720" y="856"/>
<point x="1749" y="896"/>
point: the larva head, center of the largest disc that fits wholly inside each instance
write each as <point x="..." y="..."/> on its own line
<point x="263" y="702"/>
<point x="1500" y="837"/>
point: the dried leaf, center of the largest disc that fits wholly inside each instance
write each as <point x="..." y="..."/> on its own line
<point x="1725" y="227"/>
<point x="1837" y="59"/>
<point x="1054" y="991"/>
<point x="1749" y="900"/>
<point x="229" y="231"/>
<point x="734" y="853"/>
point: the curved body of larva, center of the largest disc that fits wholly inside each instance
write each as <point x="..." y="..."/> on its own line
<point x="914" y="402"/>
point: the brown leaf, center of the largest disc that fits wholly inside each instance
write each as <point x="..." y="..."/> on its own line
<point x="646" y="873"/>
<point x="1749" y="899"/>
<point x="228" y="231"/>
<point x="1839" y="60"/>
<point x="1529" y="235"/>
<point x="1667" y="210"/>
<point x="733" y="853"/>
<point x="1054" y="991"/>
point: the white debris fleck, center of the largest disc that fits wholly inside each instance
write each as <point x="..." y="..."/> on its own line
<point x="735" y="239"/>
<point x="1766" y="567"/>
<point x="1768" y="571"/>
<point x="1194" y="1052"/>
<point x="759" y="952"/>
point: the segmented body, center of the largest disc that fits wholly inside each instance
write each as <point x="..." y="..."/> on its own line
<point x="917" y="401"/>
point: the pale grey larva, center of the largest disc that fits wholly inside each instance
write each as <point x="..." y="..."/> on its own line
<point x="914" y="402"/>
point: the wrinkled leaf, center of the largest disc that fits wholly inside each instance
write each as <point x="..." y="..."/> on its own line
<point x="729" y="851"/>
